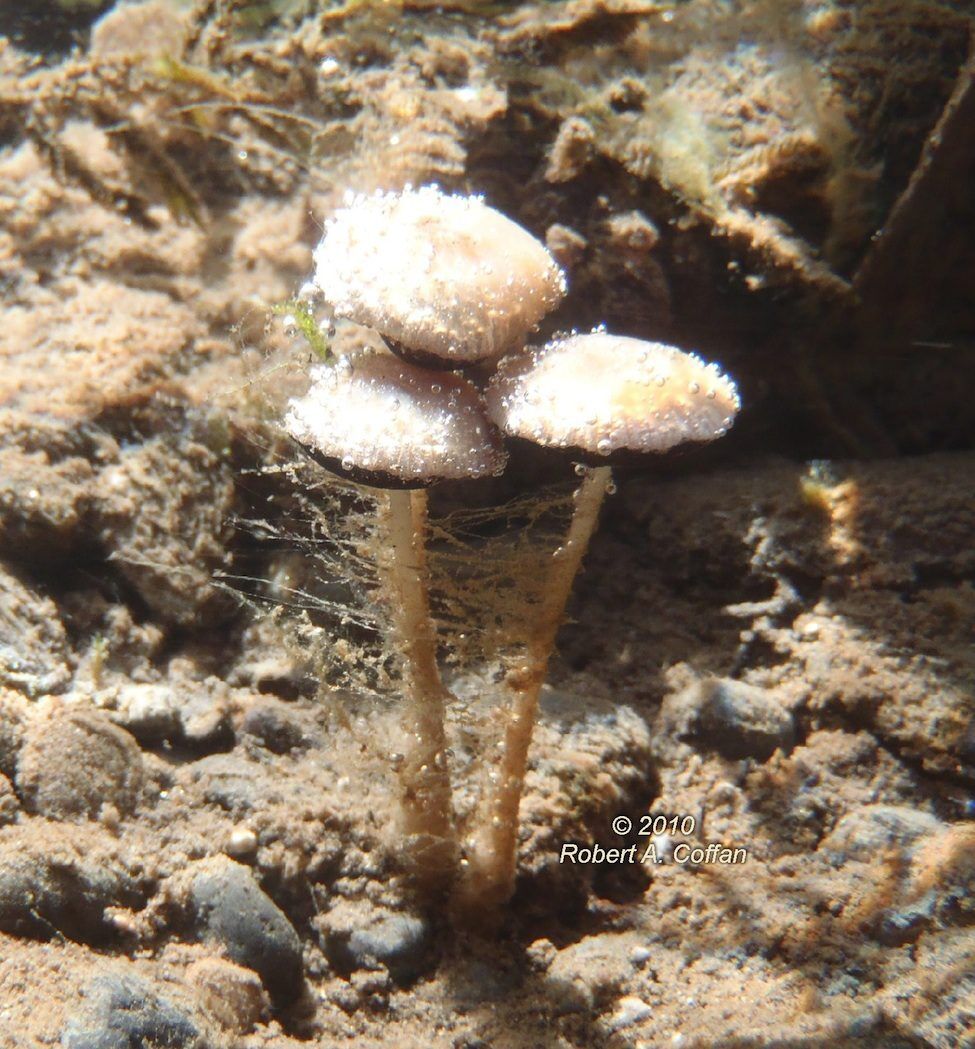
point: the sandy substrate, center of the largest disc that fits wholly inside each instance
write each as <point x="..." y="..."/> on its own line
<point x="767" y="655"/>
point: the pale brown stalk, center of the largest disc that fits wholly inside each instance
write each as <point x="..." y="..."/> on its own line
<point x="489" y="875"/>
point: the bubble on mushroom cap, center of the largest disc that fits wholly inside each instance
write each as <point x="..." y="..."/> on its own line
<point x="377" y="414"/>
<point x="443" y="275"/>
<point x="603" y="392"/>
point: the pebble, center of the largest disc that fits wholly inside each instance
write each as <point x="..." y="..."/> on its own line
<point x="869" y="831"/>
<point x="232" y="995"/>
<point x="272" y="727"/>
<point x="399" y="942"/>
<point x="743" y="721"/>
<point x="589" y="974"/>
<point x="74" y="762"/>
<point x="900" y="926"/>
<point x="242" y="842"/>
<point x="234" y="782"/>
<point x="147" y="710"/>
<point x="123" y="1011"/>
<point x="58" y="879"/>
<point x="629" y="1011"/>
<point x="359" y="936"/>
<point x="197" y="712"/>
<point x="233" y="910"/>
<point x="204" y="713"/>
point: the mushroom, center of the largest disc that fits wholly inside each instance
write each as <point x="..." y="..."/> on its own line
<point x="400" y="428"/>
<point x="444" y="279"/>
<point x="598" y="394"/>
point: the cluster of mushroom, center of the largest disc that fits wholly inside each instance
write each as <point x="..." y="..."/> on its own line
<point x="454" y="288"/>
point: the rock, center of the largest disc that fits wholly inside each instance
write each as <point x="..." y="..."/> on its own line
<point x="399" y="942"/>
<point x="591" y="760"/>
<point x="74" y="762"/>
<point x="743" y="721"/>
<point x="871" y="830"/>
<point x="204" y="712"/>
<point x="944" y="864"/>
<point x="232" y="995"/>
<point x="901" y="925"/>
<point x="122" y="1011"/>
<point x="148" y="710"/>
<point x="150" y="29"/>
<point x="231" y="909"/>
<point x="194" y="711"/>
<point x="629" y="1011"/>
<point x="13" y="709"/>
<point x="33" y="644"/>
<point x="233" y="782"/>
<point x="43" y="491"/>
<point x="56" y="879"/>
<point x="162" y="512"/>
<point x="273" y="727"/>
<point x="590" y="973"/>
<point x="359" y="936"/>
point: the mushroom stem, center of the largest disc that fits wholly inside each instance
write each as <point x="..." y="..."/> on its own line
<point x="490" y="875"/>
<point x="427" y="813"/>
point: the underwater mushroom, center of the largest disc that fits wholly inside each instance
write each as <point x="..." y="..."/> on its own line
<point x="445" y="279"/>
<point x="390" y="424"/>
<point x="598" y="394"/>
<point x="602" y="393"/>
<point x="400" y="428"/>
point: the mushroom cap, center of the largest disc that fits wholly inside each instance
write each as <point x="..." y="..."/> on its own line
<point x="602" y="393"/>
<point x="391" y="424"/>
<point x="445" y="276"/>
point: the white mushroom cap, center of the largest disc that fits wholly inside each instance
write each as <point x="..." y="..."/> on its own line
<point x="393" y="424"/>
<point x="602" y="393"/>
<point x="444" y="276"/>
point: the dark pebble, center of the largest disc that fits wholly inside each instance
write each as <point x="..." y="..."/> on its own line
<point x="50" y="885"/>
<point x="275" y="730"/>
<point x="232" y="909"/>
<point x="123" y="1012"/>
<point x="399" y="942"/>
<point x="904" y="925"/>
